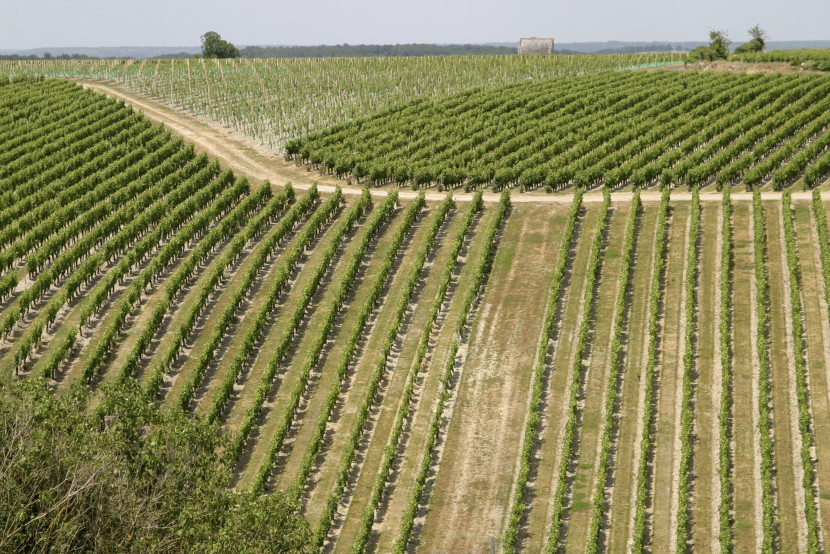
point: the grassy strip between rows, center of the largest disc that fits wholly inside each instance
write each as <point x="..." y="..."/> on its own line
<point x="570" y="436"/>
<point x="805" y="423"/>
<point x="373" y="386"/>
<point x="530" y="442"/>
<point x="610" y="422"/>
<point x="769" y="512"/>
<point x="687" y="416"/>
<point x="726" y="414"/>
<point x="351" y="217"/>
<point x="483" y="267"/>
<point x="379" y="217"/>
<point x="640" y="535"/>
<point x="390" y="452"/>
<point x="226" y="229"/>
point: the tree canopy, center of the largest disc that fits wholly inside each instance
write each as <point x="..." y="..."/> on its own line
<point x="757" y="42"/>
<point x="214" y="47"/>
<point x="127" y="478"/>
<point x="718" y="48"/>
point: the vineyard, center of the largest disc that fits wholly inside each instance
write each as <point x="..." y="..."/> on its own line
<point x="624" y="129"/>
<point x="605" y="373"/>
<point x="273" y="100"/>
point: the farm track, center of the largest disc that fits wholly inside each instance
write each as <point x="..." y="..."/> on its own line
<point x="502" y="342"/>
<point x="259" y="164"/>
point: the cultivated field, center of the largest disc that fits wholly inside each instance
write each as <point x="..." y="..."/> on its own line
<point x="604" y="372"/>
<point x="278" y="99"/>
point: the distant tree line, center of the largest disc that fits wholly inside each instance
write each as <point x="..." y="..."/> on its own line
<point x="47" y="56"/>
<point x="638" y="49"/>
<point x="371" y="50"/>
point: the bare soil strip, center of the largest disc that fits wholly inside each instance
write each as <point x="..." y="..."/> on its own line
<point x="623" y="491"/>
<point x="543" y="476"/>
<point x="473" y="484"/>
<point x="788" y="477"/>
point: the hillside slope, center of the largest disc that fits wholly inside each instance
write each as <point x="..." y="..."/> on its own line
<point x="643" y="371"/>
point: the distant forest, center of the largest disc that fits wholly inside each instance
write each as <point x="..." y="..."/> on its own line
<point x="46" y="56"/>
<point x="361" y="51"/>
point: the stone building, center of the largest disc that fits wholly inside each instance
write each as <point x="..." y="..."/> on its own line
<point x="535" y="45"/>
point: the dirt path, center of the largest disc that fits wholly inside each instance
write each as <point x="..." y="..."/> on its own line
<point x="258" y="163"/>
<point x="477" y="466"/>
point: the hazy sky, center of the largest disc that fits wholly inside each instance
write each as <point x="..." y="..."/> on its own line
<point x="62" y="23"/>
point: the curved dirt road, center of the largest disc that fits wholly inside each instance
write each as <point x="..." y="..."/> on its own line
<point x="258" y="163"/>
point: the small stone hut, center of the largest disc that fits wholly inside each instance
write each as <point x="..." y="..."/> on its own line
<point x="535" y="45"/>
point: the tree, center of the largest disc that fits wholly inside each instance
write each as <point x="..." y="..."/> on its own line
<point x="130" y="478"/>
<point x="214" y="47"/>
<point x="718" y="48"/>
<point x="719" y="43"/>
<point x="756" y="44"/>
